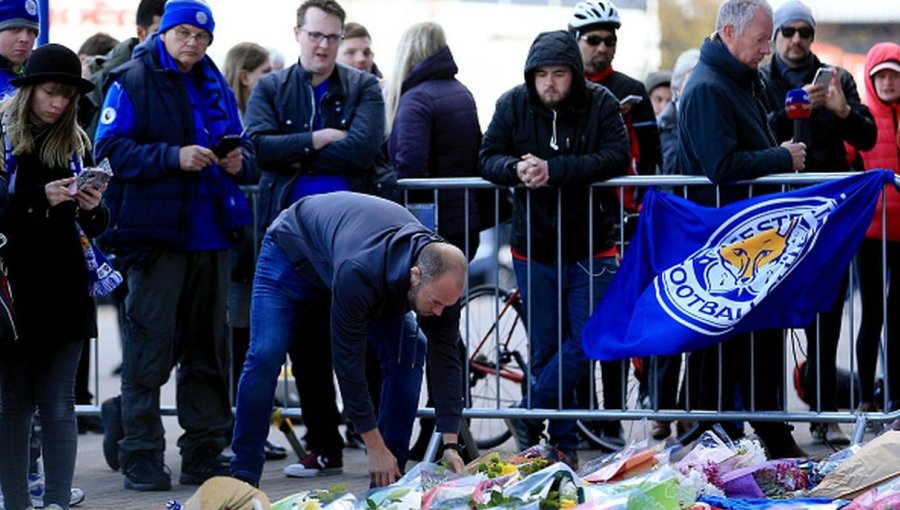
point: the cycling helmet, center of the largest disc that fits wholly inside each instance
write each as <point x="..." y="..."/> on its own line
<point x="594" y="12"/>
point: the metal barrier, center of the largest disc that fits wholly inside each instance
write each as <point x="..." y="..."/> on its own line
<point x="500" y="302"/>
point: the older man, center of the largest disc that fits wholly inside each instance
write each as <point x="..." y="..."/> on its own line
<point x="725" y="136"/>
<point x="374" y="262"/>
<point x="175" y="206"/>
<point x="838" y="118"/>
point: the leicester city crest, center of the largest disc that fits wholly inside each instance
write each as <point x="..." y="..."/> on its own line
<point x="742" y="262"/>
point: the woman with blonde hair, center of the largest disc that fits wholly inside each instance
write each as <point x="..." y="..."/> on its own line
<point x="53" y="270"/>
<point x="244" y="64"/>
<point x="433" y="124"/>
<point x="434" y="132"/>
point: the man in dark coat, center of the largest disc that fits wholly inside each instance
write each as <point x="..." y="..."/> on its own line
<point x="838" y="117"/>
<point x="175" y="207"/>
<point x="317" y="127"/>
<point x="594" y="24"/>
<point x="374" y="262"/>
<point x="557" y="134"/>
<point x="724" y="136"/>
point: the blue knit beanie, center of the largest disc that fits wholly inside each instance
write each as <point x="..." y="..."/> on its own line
<point x="19" y="14"/>
<point x="791" y="12"/>
<point x="187" y="12"/>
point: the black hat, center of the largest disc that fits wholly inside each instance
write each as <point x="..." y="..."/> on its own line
<point x="53" y="62"/>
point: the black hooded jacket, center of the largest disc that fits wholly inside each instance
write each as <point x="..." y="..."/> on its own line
<point x="591" y="146"/>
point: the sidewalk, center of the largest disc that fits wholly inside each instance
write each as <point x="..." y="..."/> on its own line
<point x="104" y="490"/>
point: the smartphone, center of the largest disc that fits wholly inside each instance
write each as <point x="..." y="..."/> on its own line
<point x="227" y="144"/>
<point x="630" y="100"/>
<point x="93" y="177"/>
<point x="823" y="76"/>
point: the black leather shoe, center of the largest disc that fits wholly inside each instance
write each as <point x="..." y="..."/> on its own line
<point x="274" y="451"/>
<point x="200" y="464"/>
<point x="111" y="416"/>
<point x="145" y="471"/>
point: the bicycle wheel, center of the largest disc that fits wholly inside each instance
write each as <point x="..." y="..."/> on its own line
<point x="593" y="431"/>
<point x="492" y="326"/>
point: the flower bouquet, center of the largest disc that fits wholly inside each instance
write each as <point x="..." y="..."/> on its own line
<point x="773" y="479"/>
<point x="335" y="498"/>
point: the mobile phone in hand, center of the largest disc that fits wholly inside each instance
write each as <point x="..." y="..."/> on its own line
<point x="823" y="77"/>
<point x="631" y="100"/>
<point x="227" y="144"/>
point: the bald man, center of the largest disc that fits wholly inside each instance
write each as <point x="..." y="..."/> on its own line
<point x="374" y="263"/>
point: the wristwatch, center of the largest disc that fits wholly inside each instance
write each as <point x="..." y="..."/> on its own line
<point x="460" y="449"/>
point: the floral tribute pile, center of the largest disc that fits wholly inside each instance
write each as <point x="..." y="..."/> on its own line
<point x="716" y="473"/>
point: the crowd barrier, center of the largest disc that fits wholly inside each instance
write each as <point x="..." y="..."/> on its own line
<point x="498" y="350"/>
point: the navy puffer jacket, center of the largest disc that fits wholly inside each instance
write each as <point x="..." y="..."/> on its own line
<point x="436" y="134"/>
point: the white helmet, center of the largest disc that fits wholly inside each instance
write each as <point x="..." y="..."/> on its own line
<point x="594" y="12"/>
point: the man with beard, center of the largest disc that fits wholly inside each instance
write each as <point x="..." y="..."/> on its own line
<point x="374" y="262"/>
<point x="557" y="134"/>
<point x="594" y="24"/>
<point x="838" y="117"/>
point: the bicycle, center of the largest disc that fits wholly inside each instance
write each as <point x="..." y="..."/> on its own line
<point x="493" y="318"/>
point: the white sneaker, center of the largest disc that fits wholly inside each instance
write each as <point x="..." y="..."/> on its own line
<point x="36" y="489"/>
<point x="829" y="433"/>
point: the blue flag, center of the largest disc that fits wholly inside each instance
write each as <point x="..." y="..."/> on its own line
<point x="694" y="276"/>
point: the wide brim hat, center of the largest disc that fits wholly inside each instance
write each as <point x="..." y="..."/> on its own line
<point x="53" y="62"/>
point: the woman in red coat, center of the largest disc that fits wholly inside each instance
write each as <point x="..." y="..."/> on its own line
<point x="883" y="100"/>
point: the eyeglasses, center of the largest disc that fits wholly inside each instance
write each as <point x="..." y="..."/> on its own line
<point x="183" y="36"/>
<point x="595" y="40"/>
<point x="805" y="32"/>
<point x="317" y="37"/>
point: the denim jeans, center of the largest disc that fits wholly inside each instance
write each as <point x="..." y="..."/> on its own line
<point x="550" y="362"/>
<point x="42" y="379"/>
<point x="280" y="296"/>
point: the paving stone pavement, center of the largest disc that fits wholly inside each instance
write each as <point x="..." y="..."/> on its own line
<point x="103" y="487"/>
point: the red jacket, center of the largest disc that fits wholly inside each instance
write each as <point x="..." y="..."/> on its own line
<point x="886" y="153"/>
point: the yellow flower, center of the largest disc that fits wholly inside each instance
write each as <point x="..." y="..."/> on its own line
<point x="567" y="503"/>
<point x="507" y="469"/>
<point x="311" y="504"/>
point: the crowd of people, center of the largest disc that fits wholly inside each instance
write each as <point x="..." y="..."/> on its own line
<point x="352" y="284"/>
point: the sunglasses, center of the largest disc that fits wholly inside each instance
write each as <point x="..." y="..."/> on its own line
<point x="595" y="40"/>
<point x="805" y="32"/>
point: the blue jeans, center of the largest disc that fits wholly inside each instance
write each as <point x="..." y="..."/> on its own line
<point x="42" y="379"/>
<point x="280" y="295"/>
<point x="547" y="366"/>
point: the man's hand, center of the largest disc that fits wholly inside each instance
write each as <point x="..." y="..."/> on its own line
<point x="798" y="154"/>
<point x="194" y="158"/>
<point x="323" y="137"/>
<point x="454" y="461"/>
<point x="817" y="94"/>
<point x="836" y="101"/>
<point x="533" y="171"/>
<point x="232" y="162"/>
<point x="383" y="469"/>
<point x="57" y="192"/>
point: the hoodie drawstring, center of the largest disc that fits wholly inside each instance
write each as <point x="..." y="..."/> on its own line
<point x="553" y="144"/>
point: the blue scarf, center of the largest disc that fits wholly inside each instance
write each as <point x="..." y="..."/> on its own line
<point x="102" y="277"/>
<point x="220" y="117"/>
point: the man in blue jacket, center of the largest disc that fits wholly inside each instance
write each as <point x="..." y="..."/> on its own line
<point x="556" y="134"/>
<point x="317" y="127"/>
<point x="725" y="136"/>
<point x="374" y="262"/>
<point x="175" y="208"/>
<point x="19" y="27"/>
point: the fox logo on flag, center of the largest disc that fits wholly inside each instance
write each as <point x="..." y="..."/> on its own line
<point x="694" y="276"/>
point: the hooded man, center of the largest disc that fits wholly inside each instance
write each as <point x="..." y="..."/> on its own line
<point x="557" y="134"/>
